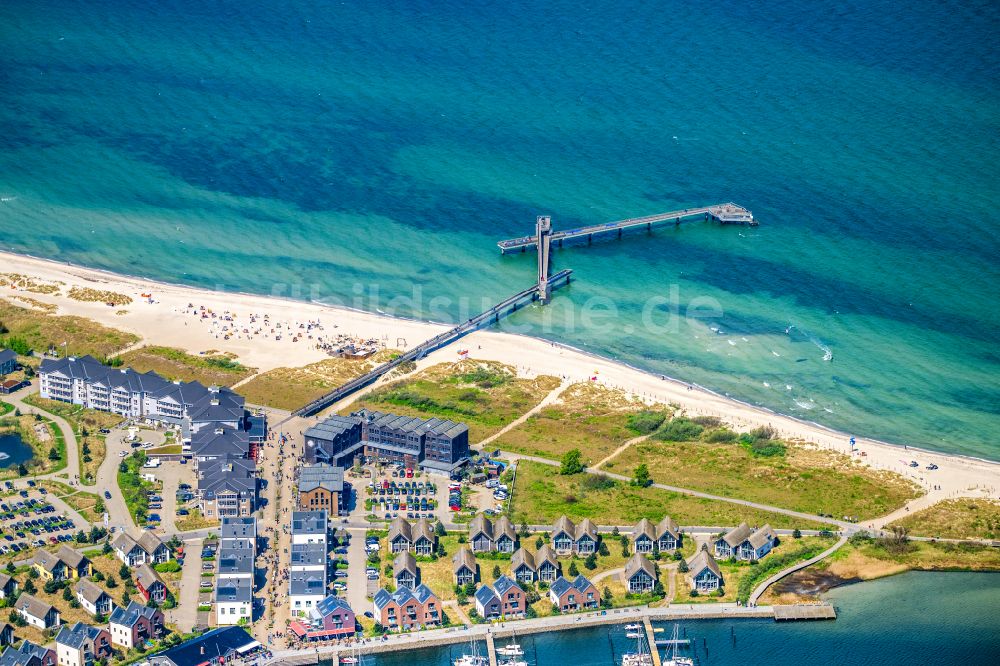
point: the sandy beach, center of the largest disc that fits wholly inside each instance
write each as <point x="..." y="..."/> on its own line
<point x="170" y="316"/>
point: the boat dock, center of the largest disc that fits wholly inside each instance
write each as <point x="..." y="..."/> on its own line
<point x="491" y="649"/>
<point x="651" y="641"/>
<point x="728" y="213"/>
<point x="791" y="612"/>
<point x="501" y="309"/>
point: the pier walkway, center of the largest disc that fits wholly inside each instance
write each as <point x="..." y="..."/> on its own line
<point x="728" y="213"/>
<point x="651" y="641"/>
<point x="501" y="309"/>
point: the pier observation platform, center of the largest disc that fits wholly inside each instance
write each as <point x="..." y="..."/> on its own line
<point x="727" y="213"/>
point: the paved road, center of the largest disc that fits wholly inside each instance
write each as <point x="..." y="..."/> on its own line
<point x="357" y="582"/>
<point x="72" y="469"/>
<point x="107" y="479"/>
<point x="185" y="614"/>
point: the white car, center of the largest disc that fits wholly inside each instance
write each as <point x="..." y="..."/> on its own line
<point x="339" y="586"/>
<point x="122" y="454"/>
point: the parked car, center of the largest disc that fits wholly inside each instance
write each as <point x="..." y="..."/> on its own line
<point x="107" y="494"/>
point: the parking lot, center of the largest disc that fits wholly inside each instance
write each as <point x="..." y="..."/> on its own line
<point x="28" y="519"/>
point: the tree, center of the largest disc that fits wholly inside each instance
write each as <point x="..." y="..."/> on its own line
<point x="496" y="570"/>
<point x="29" y="586"/>
<point x="18" y="619"/>
<point x="439" y="529"/>
<point x="539" y="542"/>
<point x="625" y="552"/>
<point x="67" y="594"/>
<point x="112" y="582"/>
<point x="124" y="572"/>
<point x="11" y="569"/>
<point x="98" y="576"/>
<point x="21" y="469"/>
<point x="656" y="551"/>
<point x="470" y="588"/>
<point x="51" y="587"/>
<point x="683" y="566"/>
<point x="658" y="590"/>
<point x="524" y="529"/>
<point x="573" y="571"/>
<point x="33" y="573"/>
<point x="796" y="533"/>
<point x="591" y="562"/>
<point x="53" y="453"/>
<point x="603" y="549"/>
<point x="614" y="531"/>
<point x="641" y="477"/>
<point x="572" y="462"/>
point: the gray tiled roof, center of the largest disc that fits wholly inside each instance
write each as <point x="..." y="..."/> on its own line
<point x="329" y="477"/>
<point x="234" y="590"/>
<point x="306" y="554"/>
<point x="307" y="582"/>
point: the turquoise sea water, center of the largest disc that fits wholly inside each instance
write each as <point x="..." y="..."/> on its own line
<point x="914" y="618"/>
<point x="373" y="153"/>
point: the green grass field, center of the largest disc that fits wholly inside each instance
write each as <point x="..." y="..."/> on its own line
<point x="541" y="495"/>
<point x="807" y="480"/>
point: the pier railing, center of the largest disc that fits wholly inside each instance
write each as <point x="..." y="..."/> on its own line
<point x="728" y="213"/>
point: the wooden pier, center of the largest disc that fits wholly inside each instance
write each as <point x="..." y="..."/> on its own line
<point x="728" y="213"/>
<point x="791" y="612"/>
<point x="651" y="641"/>
<point x="493" y="315"/>
<point x="491" y="649"/>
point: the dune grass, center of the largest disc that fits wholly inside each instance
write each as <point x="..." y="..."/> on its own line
<point x="803" y="479"/>
<point x="81" y="335"/>
<point x="594" y="419"/>
<point x="964" y="518"/>
<point x="484" y="394"/>
<point x="172" y="363"/>
<point x="291" y="388"/>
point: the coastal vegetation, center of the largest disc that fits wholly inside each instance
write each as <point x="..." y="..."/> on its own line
<point x="87" y="425"/>
<point x="592" y="418"/>
<point x="28" y="283"/>
<point x="963" y="518"/>
<point x="541" y="495"/>
<point x="801" y="478"/>
<point x="291" y="388"/>
<point x="193" y="521"/>
<point x="41" y="331"/>
<point x="99" y="296"/>
<point x="211" y="369"/>
<point x="484" y="394"/>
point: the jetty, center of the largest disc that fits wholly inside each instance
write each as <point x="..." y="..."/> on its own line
<point x="727" y="213"/>
<point x="539" y="291"/>
<point x="651" y="641"/>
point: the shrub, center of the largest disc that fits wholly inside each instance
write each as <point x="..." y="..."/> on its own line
<point x="170" y="566"/>
<point x="598" y="482"/>
<point x="645" y="422"/>
<point x="679" y="429"/>
<point x="572" y="462"/>
<point x="720" y="436"/>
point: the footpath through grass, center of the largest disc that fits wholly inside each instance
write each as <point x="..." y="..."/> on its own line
<point x="964" y="518"/>
<point x="541" y="495"/>
<point x="798" y="478"/>
<point x="86" y="425"/>
<point x="484" y="394"/>
<point x="594" y="419"/>
<point x="172" y="363"/>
